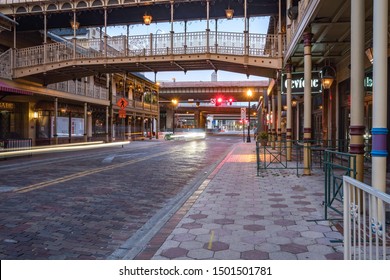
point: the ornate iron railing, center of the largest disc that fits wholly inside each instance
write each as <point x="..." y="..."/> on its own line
<point x="227" y="43"/>
<point x="5" y="64"/>
<point x="81" y="88"/>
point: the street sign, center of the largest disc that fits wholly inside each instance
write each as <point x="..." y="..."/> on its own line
<point x="122" y="103"/>
<point x="243" y="113"/>
<point x="122" y="113"/>
<point x="212" y="101"/>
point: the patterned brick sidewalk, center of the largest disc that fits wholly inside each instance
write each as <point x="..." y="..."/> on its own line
<point x="238" y="215"/>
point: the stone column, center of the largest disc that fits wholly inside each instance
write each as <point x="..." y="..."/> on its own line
<point x="307" y="36"/>
<point x="379" y="121"/>
<point x="357" y="128"/>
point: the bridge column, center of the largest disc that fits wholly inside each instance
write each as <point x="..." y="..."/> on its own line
<point x="208" y="28"/>
<point x="379" y="121"/>
<point x="172" y="32"/>
<point x="44" y="38"/>
<point x="307" y="36"/>
<point x="105" y="31"/>
<point x="289" y="112"/>
<point x="74" y="34"/>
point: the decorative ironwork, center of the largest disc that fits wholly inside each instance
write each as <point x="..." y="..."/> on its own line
<point x="354" y="210"/>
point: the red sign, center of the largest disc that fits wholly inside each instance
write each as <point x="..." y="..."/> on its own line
<point x="122" y="113"/>
<point x="122" y="103"/>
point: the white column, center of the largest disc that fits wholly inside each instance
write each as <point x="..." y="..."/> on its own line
<point x="273" y="138"/>
<point x="379" y="120"/>
<point x="307" y="36"/>
<point x="357" y="128"/>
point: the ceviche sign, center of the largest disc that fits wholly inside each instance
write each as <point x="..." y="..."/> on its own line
<point x="298" y="83"/>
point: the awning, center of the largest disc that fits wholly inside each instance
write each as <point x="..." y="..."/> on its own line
<point x="10" y="89"/>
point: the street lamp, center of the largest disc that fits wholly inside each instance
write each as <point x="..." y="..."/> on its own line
<point x="249" y="94"/>
<point x="174" y="103"/>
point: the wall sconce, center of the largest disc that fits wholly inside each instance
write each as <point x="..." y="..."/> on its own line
<point x="229" y="13"/>
<point x="147" y="19"/>
<point x="294" y="102"/>
<point x="370" y="54"/>
<point x="64" y="109"/>
<point x="35" y="115"/>
<point x="328" y="75"/>
<point x="74" y="24"/>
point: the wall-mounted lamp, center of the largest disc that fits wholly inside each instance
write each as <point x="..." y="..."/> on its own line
<point x="74" y="24"/>
<point x="229" y="13"/>
<point x="328" y="75"/>
<point x="147" y="19"/>
<point x="294" y="102"/>
<point x="370" y="54"/>
<point x="64" y="109"/>
<point x="35" y="115"/>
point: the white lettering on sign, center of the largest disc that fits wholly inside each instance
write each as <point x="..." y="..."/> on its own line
<point x="300" y="83"/>
<point x="368" y="82"/>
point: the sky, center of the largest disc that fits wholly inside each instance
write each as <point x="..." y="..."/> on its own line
<point x="257" y="25"/>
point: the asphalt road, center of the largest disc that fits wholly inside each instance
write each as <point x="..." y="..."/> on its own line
<point x="102" y="203"/>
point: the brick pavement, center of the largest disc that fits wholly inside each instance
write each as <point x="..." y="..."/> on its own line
<point x="237" y="215"/>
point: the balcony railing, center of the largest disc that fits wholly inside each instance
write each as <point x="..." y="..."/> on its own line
<point x="227" y="43"/>
<point x="5" y="64"/>
<point x="81" y="88"/>
<point x="135" y="104"/>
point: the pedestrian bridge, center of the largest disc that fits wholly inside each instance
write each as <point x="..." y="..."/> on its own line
<point x="61" y="60"/>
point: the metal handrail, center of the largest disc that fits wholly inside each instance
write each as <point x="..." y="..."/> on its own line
<point x="366" y="231"/>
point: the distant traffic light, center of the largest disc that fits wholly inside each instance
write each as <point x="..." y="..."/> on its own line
<point x="218" y="101"/>
<point x="230" y="101"/>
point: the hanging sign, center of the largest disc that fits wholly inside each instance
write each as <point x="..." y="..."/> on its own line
<point x="298" y="82"/>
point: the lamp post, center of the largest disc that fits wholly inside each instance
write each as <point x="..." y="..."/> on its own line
<point x="174" y="103"/>
<point x="249" y="94"/>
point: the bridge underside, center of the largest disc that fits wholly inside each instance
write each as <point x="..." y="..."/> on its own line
<point x="81" y="67"/>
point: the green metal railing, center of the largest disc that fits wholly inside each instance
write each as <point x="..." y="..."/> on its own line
<point x="336" y="165"/>
<point x="330" y="156"/>
<point x="275" y="156"/>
